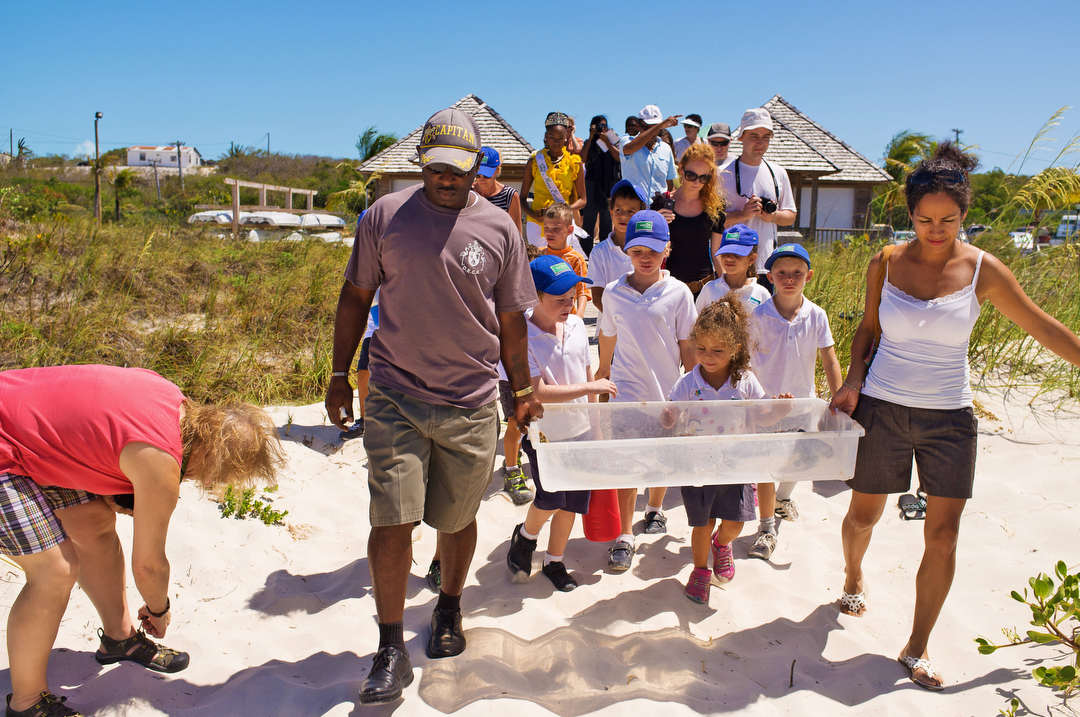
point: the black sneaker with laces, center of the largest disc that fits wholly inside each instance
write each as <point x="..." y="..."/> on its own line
<point x="48" y="705"/>
<point x="655" y="522"/>
<point x="556" y="573"/>
<point x="519" y="557"/>
<point x="434" y="576"/>
<point x="391" y="672"/>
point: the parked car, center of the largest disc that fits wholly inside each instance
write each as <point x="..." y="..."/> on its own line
<point x="903" y="236"/>
<point x="1023" y="240"/>
<point x="975" y="230"/>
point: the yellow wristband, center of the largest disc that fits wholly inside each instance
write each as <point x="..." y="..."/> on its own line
<point x="523" y="392"/>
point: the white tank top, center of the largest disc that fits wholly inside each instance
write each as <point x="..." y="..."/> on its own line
<point x="922" y="361"/>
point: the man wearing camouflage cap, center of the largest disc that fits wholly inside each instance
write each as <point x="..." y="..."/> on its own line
<point x="454" y="283"/>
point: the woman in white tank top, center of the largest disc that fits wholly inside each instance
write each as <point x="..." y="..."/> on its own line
<point x="915" y="400"/>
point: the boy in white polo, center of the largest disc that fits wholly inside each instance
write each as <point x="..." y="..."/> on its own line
<point x="790" y="331"/>
<point x="645" y="337"/>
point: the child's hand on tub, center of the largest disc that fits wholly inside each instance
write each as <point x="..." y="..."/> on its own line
<point x="769" y="416"/>
<point x="668" y="417"/>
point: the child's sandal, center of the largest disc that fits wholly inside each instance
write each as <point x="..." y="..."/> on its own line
<point x="141" y="649"/>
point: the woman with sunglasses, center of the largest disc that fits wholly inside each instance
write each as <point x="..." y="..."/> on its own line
<point x="553" y="174"/>
<point x="696" y="219"/>
<point x="915" y="397"/>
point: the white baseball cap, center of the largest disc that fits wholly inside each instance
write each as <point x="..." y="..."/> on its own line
<point x="756" y="118"/>
<point x="650" y="114"/>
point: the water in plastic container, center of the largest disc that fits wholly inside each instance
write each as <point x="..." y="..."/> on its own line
<point x="635" y="445"/>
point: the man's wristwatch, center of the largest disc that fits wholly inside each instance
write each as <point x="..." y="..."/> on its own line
<point x="163" y="613"/>
<point x="523" y="392"/>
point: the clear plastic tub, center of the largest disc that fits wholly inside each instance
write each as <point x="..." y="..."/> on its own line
<point x="635" y="445"/>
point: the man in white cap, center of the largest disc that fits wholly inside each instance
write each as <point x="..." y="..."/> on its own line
<point x="691" y="126"/>
<point x="454" y="283"/>
<point x="646" y="161"/>
<point x="757" y="192"/>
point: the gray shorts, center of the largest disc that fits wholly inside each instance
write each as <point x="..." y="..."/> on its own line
<point x="427" y="461"/>
<point x="943" y="443"/>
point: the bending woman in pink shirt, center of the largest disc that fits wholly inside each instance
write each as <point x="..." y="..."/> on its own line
<point x="70" y="435"/>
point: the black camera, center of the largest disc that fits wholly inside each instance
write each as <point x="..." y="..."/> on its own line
<point x="662" y="201"/>
<point x="767" y="205"/>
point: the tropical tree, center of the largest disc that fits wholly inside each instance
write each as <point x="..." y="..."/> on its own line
<point x="354" y="199"/>
<point x="371" y="142"/>
<point x="122" y="182"/>
<point x="902" y="153"/>
<point x="23" y="153"/>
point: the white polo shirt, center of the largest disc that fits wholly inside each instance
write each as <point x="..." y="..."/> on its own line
<point x="693" y="387"/>
<point x="648" y="327"/>
<point x="562" y="363"/>
<point x="751" y="294"/>
<point x="784" y="354"/>
<point x="606" y="264"/>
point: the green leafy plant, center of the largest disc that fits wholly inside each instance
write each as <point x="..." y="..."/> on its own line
<point x="241" y="504"/>
<point x="1055" y="612"/>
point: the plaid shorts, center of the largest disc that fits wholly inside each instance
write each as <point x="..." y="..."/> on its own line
<point x="28" y="512"/>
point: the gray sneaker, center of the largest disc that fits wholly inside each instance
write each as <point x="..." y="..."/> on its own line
<point x="787" y="509"/>
<point x="763" y="546"/>
<point x="515" y="485"/>
<point x="620" y="556"/>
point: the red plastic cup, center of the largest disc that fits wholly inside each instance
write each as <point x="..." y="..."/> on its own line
<point x="602" y="523"/>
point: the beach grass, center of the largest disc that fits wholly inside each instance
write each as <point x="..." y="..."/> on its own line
<point x="224" y="319"/>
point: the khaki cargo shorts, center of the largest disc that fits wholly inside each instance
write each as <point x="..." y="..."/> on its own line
<point x="427" y="461"/>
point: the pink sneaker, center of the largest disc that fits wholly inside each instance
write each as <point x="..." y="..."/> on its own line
<point x="723" y="562"/>
<point x="697" y="587"/>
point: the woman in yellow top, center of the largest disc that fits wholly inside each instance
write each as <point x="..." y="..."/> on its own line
<point x="564" y="170"/>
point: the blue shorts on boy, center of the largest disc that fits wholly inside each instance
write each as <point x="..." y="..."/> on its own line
<point x="717" y="502"/>
<point x="648" y="327"/>
<point x="784" y="353"/>
<point x="562" y="363"/>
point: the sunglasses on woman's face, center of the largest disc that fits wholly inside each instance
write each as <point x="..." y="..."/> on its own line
<point x="440" y="167"/>
<point x="719" y="142"/>
<point x="695" y="177"/>
<point x="947" y="176"/>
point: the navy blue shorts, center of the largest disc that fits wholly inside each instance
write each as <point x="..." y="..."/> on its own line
<point x="572" y="501"/>
<point x="362" y="362"/>
<point x="718" y="502"/>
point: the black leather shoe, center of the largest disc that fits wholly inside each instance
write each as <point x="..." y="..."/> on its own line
<point x="447" y="637"/>
<point x="391" y="672"/>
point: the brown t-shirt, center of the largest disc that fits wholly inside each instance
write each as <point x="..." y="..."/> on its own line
<point x="444" y="275"/>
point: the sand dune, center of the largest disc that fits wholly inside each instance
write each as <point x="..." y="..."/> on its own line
<point x="280" y="620"/>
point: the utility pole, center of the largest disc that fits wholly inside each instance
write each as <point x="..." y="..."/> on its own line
<point x="268" y="144"/>
<point x="157" y="184"/>
<point x="957" y="132"/>
<point x="11" y="142"/>
<point x="179" y="165"/>
<point x="97" y="171"/>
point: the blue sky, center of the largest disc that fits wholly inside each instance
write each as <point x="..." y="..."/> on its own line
<point x="313" y="75"/>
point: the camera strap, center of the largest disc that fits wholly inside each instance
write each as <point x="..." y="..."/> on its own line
<point x="738" y="181"/>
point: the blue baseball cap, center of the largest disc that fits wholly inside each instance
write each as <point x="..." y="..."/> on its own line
<point x="738" y="239"/>
<point x="637" y="190"/>
<point x="489" y="162"/>
<point x="553" y="275"/>
<point x="649" y="229"/>
<point x="795" y="250"/>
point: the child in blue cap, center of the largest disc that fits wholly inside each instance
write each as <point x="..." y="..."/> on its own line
<point x="644" y="347"/>
<point x="560" y="370"/>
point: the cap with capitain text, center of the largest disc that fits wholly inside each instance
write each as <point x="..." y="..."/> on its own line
<point x="450" y="136"/>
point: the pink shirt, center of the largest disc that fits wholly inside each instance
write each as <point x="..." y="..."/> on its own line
<point x="66" y="425"/>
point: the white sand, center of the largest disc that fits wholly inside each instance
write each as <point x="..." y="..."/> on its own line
<point x="282" y="621"/>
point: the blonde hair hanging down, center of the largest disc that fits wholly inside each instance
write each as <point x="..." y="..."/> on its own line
<point x="711" y="199"/>
<point x="238" y="443"/>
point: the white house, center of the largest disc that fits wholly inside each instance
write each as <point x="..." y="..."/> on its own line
<point x="163" y="156"/>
